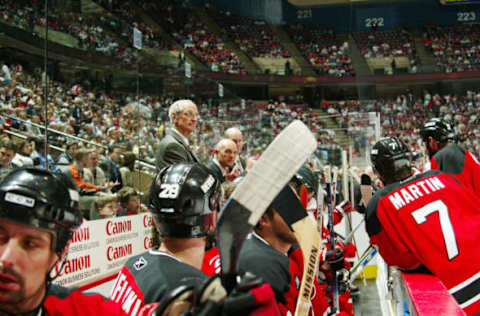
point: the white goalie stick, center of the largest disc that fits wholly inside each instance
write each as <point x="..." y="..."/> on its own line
<point x="273" y="170"/>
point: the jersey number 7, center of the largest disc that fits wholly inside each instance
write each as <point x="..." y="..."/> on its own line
<point x="420" y="217"/>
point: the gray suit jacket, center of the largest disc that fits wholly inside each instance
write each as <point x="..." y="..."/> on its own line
<point x="172" y="150"/>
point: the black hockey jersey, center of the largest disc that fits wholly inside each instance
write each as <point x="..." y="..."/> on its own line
<point x="147" y="277"/>
<point x="261" y="259"/>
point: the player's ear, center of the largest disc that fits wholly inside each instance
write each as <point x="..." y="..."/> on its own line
<point x="432" y="143"/>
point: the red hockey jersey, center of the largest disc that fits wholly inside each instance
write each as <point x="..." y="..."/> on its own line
<point x="318" y="299"/>
<point x="432" y="220"/>
<point x="211" y="262"/>
<point x="461" y="163"/>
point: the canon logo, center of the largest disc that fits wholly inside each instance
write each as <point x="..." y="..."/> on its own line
<point x="114" y="253"/>
<point x="148" y="242"/>
<point x="147" y="221"/>
<point x="81" y="234"/>
<point x="114" y="228"/>
<point x="74" y="265"/>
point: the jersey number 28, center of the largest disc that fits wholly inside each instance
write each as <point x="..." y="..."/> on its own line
<point x="420" y="217"/>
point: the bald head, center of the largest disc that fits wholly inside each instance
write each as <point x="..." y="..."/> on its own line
<point x="235" y="135"/>
<point x="226" y="152"/>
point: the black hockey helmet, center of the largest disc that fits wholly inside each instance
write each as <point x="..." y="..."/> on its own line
<point x="182" y="200"/>
<point x="306" y="177"/>
<point x="43" y="200"/>
<point x="438" y="129"/>
<point x="390" y="157"/>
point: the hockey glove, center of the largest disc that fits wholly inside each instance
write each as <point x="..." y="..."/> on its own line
<point x="251" y="297"/>
<point x="335" y="259"/>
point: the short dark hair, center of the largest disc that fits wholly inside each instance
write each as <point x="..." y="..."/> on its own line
<point x="125" y="193"/>
<point x="111" y="148"/>
<point x="269" y="213"/>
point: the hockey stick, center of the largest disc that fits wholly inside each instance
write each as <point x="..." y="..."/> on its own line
<point x="275" y="167"/>
<point x="330" y="201"/>
<point x="289" y="207"/>
<point x="364" y="260"/>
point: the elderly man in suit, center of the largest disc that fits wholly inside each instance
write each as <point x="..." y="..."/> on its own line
<point x="173" y="148"/>
<point x="236" y="136"/>
<point x="222" y="164"/>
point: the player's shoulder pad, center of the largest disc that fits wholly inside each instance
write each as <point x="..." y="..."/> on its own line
<point x="60" y="291"/>
<point x="372" y="222"/>
<point x="451" y="159"/>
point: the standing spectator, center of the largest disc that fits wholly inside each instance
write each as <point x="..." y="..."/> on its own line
<point x="221" y="165"/>
<point x="7" y="152"/>
<point x="110" y="167"/>
<point x="235" y="134"/>
<point x="128" y="164"/>
<point x="174" y="147"/>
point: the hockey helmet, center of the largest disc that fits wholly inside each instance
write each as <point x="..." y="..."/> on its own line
<point x="306" y="177"/>
<point x="182" y="199"/>
<point x="43" y="200"/>
<point x="438" y="129"/>
<point x="390" y="157"/>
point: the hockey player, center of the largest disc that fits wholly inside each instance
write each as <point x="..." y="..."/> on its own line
<point x="182" y="198"/>
<point x="38" y="214"/>
<point x="264" y="254"/>
<point x="447" y="156"/>
<point x="429" y="219"/>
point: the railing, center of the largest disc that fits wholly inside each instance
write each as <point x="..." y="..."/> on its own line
<point x="143" y="173"/>
<point x="426" y="295"/>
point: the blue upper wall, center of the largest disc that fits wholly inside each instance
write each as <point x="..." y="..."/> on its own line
<point x="344" y="19"/>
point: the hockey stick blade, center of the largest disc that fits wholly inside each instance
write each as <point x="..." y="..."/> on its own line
<point x="275" y="167"/>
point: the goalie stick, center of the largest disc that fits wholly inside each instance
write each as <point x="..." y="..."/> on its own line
<point x="275" y="167"/>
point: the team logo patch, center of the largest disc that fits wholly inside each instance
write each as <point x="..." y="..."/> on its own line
<point x="297" y="282"/>
<point x="140" y="264"/>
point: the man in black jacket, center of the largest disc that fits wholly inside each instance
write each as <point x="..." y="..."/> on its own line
<point x="222" y="164"/>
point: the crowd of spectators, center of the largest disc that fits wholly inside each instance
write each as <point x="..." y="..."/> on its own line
<point x="456" y="48"/>
<point x="124" y="18"/>
<point x="388" y="44"/>
<point x="324" y="51"/>
<point x="254" y="37"/>
<point x="403" y="115"/>
<point x="91" y="34"/>
<point x="187" y="28"/>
